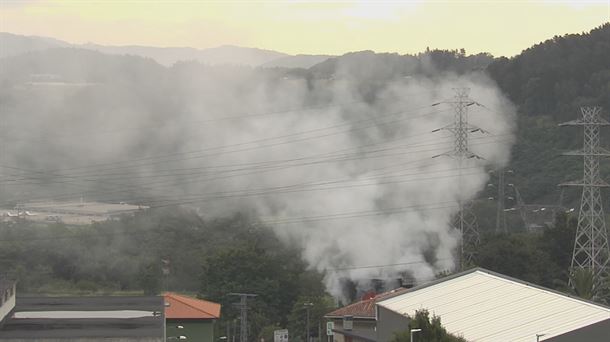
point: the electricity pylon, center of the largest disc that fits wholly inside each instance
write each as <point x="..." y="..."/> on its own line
<point x="591" y="250"/>
<point x="465" y="222"/>
<point x="243" y="314"/>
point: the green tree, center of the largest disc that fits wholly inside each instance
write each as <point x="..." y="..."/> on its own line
<point x="150" y="278"/>
<point x="582" y="283"/>
<point x="297" y="320"/>
<point x="431" y="330"/>
<point x="519" y="256"/>
<point x="266" y="267"/>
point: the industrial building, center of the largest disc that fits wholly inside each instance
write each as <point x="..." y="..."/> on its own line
<point x="484" y="306"/>
<point x="189" y="318"/>
<point x="91" y="319"/>
<point x="478" y="305"/>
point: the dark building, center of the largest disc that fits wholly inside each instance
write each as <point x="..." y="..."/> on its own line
<point x="357" y="322"/>
<point x="478" y="305"/>
<point x="86" y="319"/>
<point x="190" y="318"/>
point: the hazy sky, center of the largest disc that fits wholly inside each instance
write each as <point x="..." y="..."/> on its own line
<point x="312" y="27"/>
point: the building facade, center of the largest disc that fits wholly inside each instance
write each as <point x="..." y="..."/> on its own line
<point x="357" y="322"/>
<point x="189" y="318"/>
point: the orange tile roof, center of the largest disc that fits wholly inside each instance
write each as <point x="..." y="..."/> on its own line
<point x="186" y="307"/>
<point x="365" y="308"/>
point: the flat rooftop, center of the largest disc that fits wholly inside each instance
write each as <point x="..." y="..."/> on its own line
<point x="70" y="212"/>
<point x="85" y="317"/>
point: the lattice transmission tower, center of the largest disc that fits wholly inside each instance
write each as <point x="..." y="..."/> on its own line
<point x="243" y="314"/>
<point x="591" y="250"/>
<point x="465" y="222"/>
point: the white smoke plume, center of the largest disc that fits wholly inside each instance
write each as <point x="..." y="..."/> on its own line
<point x="347" y="175"/>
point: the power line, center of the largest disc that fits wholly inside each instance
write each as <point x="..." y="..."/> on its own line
<point x="164" y="184"/>
<point x="241" y="166"/>
<point x="208" y="198"/>
<point x="222" y="148"/>
<point x="265" y="139"/>
<point x="259" y="140"/>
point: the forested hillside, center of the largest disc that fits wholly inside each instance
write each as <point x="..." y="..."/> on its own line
<point x="549" y="82"/>
<point x="557" y="76"/>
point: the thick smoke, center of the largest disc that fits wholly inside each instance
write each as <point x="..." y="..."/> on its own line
<point x="341" y="164"/>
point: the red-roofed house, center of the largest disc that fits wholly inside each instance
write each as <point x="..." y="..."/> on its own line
<point x="356" y="322"/>
<point x="190" y="317"/>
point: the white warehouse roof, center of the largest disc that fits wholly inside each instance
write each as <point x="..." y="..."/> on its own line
<point x="483" y="306"/>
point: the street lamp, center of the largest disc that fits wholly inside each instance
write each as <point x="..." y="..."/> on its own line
<point x="538" y="336"/>
<point x="307" y="306"/>
<point x="411" y="334"/>
<point x="166" y="305"/>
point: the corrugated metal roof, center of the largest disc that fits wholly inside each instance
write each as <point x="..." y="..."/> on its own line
<point x="485" y="306"/>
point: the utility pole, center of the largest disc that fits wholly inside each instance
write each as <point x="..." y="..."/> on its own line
<point x="319" y="331"/>
<point x="465" y="221"/>
<point x="591" y="250"/>
<point x="501" y="208"/>
<point x="307" y="306"/>
<point x="243" y="314"/>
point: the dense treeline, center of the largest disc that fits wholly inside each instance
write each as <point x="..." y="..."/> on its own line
<point x="205" y="258"/>
<point x="208" y="258"/>
<point x="549" y="82"/>
<point x="542" y="258"/>
<point x="113" y="255"/>
<point x="557" y="76"/>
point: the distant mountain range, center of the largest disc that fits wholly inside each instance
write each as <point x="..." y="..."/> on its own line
<point x="12" y="44"/>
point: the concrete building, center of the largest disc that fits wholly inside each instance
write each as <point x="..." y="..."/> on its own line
<point x="485" y="306"/>
<point x="190" y="318"/>
<point x="85" y="319"/>
<point x="357" y="322"/>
